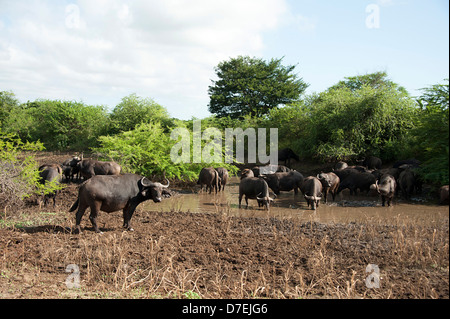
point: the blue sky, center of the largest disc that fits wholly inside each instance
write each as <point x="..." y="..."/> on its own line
<point x="101" y="51"/>
<point x="410" y="43"/>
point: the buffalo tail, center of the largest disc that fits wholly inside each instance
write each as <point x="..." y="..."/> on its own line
<point x="74" y="206"/>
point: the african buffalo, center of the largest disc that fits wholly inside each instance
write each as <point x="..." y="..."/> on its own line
<point x="343" y="173"/>
<point x="395" y="172"/>
<point x="269" y="169"/>
<point x="372" y="162"/>
<point x="340" y="165"/>
<point x="330" y="183"/>
<point x="50" y="173"/>
<point x="223" y="177"/>
<point x="254" y="188"/>
<point x="355" y="181"/>
<point x="284" y="181"/>
<point x="412" y="161"/>
<point x="70" y="168"/>
<point x="407" y="182"/>
<point x="67" y="172"/>
<point x="443" y="195"/>
<point x="285" y="155"/>
<point x="89" y="168"/>
<point x="312" y="191"/>
<point x="210" y="177"/>
<point x="247" y="173"/>
<point x="111" y="193"/>
<point x="386" y="186"/>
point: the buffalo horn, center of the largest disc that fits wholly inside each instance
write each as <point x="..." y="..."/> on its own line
<point x="165" y="186"/>
<point x="145" y="183"/>
<point x="150" y="183"/>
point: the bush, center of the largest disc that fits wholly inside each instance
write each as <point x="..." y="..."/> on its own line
<point x="19" y="177"/>
<point x="347" y="121"/>
<point x="146" y="151"/>
<point x="431" y="135"/>
<point x="134" y="110"/>
<point x="60" y="125"/>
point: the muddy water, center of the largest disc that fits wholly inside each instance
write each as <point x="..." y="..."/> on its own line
<point x="345" y="209"/>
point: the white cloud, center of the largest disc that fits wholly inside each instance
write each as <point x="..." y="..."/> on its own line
<point x="305" y="24"/>
<point x="99" y="52"/>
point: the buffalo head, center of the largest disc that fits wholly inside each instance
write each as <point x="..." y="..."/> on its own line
<point x="151" y="190"/>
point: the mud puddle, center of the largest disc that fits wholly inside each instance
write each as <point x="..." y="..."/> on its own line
<point x="346" y="208"/>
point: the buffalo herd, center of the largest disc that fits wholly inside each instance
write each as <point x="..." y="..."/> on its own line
<point x="108" y="189"/>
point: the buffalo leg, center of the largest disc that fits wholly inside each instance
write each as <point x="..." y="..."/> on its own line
<point x="127" y="214"/>
<point x="325" y="193"/>
<point x="95" y="208"/>
<point x="333" y="194"/>
<point x="79" y="216"/>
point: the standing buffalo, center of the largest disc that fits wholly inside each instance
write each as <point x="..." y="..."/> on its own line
<point x="357" y="180"/>
<point x="372" y="162"/>
<point x="223" y="177"/>
<point x="111" y="193"/>
<point x="395" y="172"/>
<point x="340" y="165"/>
<point x="89" y="168"/>
<point x="414" y="163"/>
<point x="343" y="173"/>
<point x="50" y="173"/>
<point x="330" y="183"/>
<point x="407" y="182"/>
<point x="269" y="169"/>
<point x="386" y="187"/>
<point x="254" y="188"/>
<point x="284" y="181"/>
<point x="285" y="155"/>
<point x="210" y="177"/>
<point x="70" y="168"/>
<point x="312" y="191"/>
<point x="247" y="173"/>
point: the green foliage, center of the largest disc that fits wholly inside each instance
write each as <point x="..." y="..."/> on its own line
<point x="360" y="115"/>
<point x="60" y="125"/>
<point x="146" y="151"/>
<point x="343" y="123"/>
<point x="134" y="110"/>
<point x="431" y="135"/>
<point x="8" y="102"/>
<point x="291" y="122"/>
<point x="19" y="177"/>
<point x="252" y="86"/>
<point x="377" y="80"/>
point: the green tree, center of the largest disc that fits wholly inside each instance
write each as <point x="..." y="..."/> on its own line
<point x="377" y="80"/>
<point x="252" y="86"/>
<point x="19" y="175"/>
<point x="431" y="135"/>
<point x="59" y="125"/>
<point x="134" y="110"/>
<point x="349" y="121"/>
<point x="7" y="103"/>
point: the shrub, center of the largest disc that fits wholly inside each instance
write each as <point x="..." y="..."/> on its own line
<point x="19" y="176"/>
<point x="146" y="151"/>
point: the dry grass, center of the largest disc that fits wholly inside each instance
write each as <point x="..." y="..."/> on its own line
<point x="188" y="255"/>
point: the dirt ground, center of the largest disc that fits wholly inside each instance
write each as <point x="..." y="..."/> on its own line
<point x="178" y="254"/>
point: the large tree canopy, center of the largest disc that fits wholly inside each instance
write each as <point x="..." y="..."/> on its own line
<point x="251" y="86"/>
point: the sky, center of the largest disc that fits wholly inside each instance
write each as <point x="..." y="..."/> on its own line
<point x="98" y="52"/>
